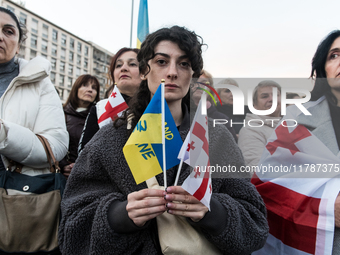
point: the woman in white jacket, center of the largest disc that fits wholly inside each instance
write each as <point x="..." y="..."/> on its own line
<point x="29" y="104"/>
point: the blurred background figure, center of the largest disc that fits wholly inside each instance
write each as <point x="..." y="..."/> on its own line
<point x="84" y="93"/>
<point x="253" y="137"/>
<point x="124" y="71"/>
<point x="227" y="104"/>
<point x="212" y="112"/>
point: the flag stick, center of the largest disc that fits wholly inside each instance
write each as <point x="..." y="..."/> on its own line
<point x="163" y="132"/>
<point x="131" y="25"/>
<point x="179" y="171"/>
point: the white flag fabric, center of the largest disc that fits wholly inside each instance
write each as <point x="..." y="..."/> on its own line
<point x="113" y="108"/>
<point x="195" y="152"/>
<point x="296" y="181"/>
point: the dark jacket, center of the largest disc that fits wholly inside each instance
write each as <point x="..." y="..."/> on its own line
<point x="228" y="110"/>
<point x="236" y="224"/>
<point x="91" y="126"/>
<point x="74" y="123"/>
<point x="213" y="113"/>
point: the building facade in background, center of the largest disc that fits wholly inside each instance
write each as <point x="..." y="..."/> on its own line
<point x="69" y="55"/>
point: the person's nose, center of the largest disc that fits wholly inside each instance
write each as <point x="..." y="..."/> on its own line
<point x="172" y="70"/>
<point x="125" y="67"/>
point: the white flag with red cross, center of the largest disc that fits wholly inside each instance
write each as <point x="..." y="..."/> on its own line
<point x="113" y="109"/>
<point x="298" y="179"/>
<point x="195" y="152"/>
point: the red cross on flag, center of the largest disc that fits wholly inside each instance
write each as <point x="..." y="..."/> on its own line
<point x="113" y="109"/>
<point x="195" y="152"/>
<point x="298" y="179"/>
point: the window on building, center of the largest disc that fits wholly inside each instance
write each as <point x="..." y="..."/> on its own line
<point x="53" y="63"/>
<point x="44" y="45"/>
<point x="79" y="47"/>
<point x="70" y="58"/>
<point x="23" y="18"/>
<point x="52" y="77"/>
<point x="71" y="43"/>
<point x="70" y="69"/>
<point x="54" y="50"/>
<point x="54" y="35"/>
<point x="69" y="82"/>
<point x="33" y="54"/>
<point x="34" y="26"/>
<point x="63" y="39"/>
<point x="45" y="31"/>
<point x="34" y="41"/>
<point x="62" y="53"/>
<point x="77" y="71"/>
<point x="22" y="52"/>
<point x="61" y="80"/>
<point x="61" y="93"/>
<point x="44" y="55"/>
<point x="78" y="60"/>
<point x="86" y="50"/>
<point x="85" y="63"/>
<point x="10" y="8"/>
<point x="62" y="66"/>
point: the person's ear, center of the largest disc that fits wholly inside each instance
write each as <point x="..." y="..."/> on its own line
<point x="143" y="77"/>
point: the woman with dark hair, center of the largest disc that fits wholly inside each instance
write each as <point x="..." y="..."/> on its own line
<point x="104" y="210"/>
<point x="326" y="72"/>
<point x="29" y="106"/>
<point x="84" y="93"/>
<point x="323" y="123"/>
<point x="125" y="75"/>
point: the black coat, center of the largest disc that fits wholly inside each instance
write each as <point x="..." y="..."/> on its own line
<point x="74" y="123"/>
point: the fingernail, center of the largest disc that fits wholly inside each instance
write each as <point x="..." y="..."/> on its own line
<point x="168" y="211"/>
<point x="166" y="205"/>
<point x="166" y="189"/>
<point x="164" y="197"/>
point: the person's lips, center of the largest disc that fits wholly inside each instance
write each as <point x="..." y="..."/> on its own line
<point x="124" y="76"/>
<point x="171" y="86"/>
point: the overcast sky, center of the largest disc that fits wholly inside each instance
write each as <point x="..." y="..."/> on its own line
<point x="264" y="38"/>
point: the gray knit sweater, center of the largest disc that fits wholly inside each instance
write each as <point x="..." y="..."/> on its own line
<point x="101" y="176"/>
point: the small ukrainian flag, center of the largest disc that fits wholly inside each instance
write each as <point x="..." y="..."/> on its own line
<point x="143" y="150"/>
<point x="143" y="22"/>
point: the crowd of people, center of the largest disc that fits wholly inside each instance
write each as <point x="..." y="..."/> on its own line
<point x="103" y="210"/>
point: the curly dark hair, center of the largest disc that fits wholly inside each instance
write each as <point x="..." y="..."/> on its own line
<point x="318" y="72"/>
<point x="187" y="41"/>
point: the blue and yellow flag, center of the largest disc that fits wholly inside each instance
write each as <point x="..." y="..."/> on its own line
<point x="143" y="150"/>
<point x="143" y="22"/>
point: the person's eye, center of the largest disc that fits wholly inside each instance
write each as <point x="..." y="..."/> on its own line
<point x="161" y="62"/>
<point x="118" y="65"/>
<point x="185" y="64"/>
<point x="133" y="64"/>
<point x="9" y="31"/>
<point x="334" y="56"/>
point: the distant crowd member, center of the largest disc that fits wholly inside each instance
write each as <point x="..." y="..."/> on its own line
<point x="84" y="93"/>
<point x="124" y="71"/>
<point x="258" y="128"/>
<point x="227" y="105"/>
<point x="212" y="112"/>
<point x="104" y="211"/>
